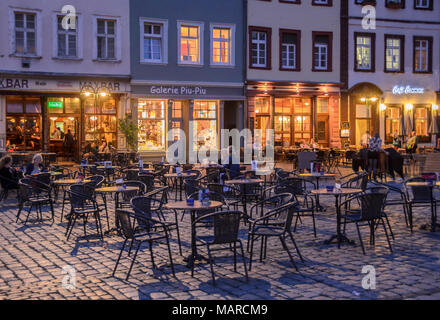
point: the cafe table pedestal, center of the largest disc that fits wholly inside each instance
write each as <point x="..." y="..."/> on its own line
<point x="179" y="178"/>
<point x="193" y="209"/>
<point x="339" y="236"/>
<point x="244" y="183"/>
<point x="116" y="190"/>
<point x="317" y="177"/>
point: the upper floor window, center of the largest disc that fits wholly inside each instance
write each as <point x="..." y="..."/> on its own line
<point x="222" y="45"/>
<point x="289" y="50"/>
<point x="154" y="33"/>
<point x="259" y="47"/>
<point x="394" y="49"/>
<point x="423" y="54"/>
<point x="396" y="4"/>
<point x="25" y="32"/>
<point x="364" y="52"/>
<point x="322" y="2"/>
<point x="67" y="40"/>
<point x="190" y="43"/>
<point x="424" y="4"/>
<point x="322" y="51"/>
<point x="106" y="39"/>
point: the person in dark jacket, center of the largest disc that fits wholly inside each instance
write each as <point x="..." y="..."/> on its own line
<point x="68" y="143"/>
<point x="361" y="159"/>
<point x="395" y="163"/>
<point x="232" y="166"/>
<point x="36" y="166"/>
<point x="9" y="177"/>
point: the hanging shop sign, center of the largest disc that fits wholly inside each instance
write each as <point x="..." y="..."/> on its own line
<point x="399" y="90"/>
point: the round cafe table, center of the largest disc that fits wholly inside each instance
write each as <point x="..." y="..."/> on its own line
<point x="179" y="178"/>
<point x="244" y="183"/>
<point x="339" y="236"/>
<point x="317" y="176"/>
<point x="183" y="205"/>
<point x="116" y="190"/>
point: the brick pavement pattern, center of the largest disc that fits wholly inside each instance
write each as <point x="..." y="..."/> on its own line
<point x="33" y="260"/>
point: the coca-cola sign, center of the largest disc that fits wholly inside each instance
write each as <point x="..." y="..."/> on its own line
<point x="399" y="90"/>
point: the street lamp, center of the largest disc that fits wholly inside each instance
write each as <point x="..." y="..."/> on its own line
<point x="89" y="91"/>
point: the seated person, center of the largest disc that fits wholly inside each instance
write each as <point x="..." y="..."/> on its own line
<point x="103" y="147"/>
<point x="411" y="146"/>
<point x="36" y="166"/>
<point x="8" y="176"/>
<point x="396" y="141"/>
<point x="313" y="144"/>
<point x="233" y="166"/>
<point x="304" y="145"/>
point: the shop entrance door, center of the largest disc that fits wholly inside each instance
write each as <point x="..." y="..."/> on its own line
<point x="362" y="126"/>
<point x="322" y="131"/>
<point x="59" y="127"/>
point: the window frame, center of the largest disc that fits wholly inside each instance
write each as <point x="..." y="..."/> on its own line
<point x="401" y="38"/>
<point x="118" y="48"/>
<point x="12" y="38"/>
<point x="297" y="67"/>
<point x="79" y="38"/>
<point x="328" y="3"/>
<point x="201" y="27"/>
<point x="268" y="32"/>
<point x="430" y="6"/>
<point x="164" y="37"/>
<point x="372" y="37"/>
<point x="232" y="29"/>
<point x="329" y="51"/>
<point x="430" y="53"/>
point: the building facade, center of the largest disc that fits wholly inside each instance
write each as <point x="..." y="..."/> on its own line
<point x="187" y="71"/>
<point x="391" y="80"/>
<point x="62" y="71"/>
<point x="293" y="76"/>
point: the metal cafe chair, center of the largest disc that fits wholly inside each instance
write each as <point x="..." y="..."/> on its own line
<point x="260" y="228"/>
<point x="223" y="235"/>
<point x="152" y="231"/>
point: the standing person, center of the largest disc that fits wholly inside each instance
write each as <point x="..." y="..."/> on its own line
<point x="365" y="139"/>
<point x="373" y="154"/>
<point x="68" y="143"/>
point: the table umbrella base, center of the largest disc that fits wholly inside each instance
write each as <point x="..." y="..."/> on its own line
<point x="342" y="238"/>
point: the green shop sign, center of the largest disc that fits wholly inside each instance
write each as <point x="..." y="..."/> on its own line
<point x="55" y="104"/>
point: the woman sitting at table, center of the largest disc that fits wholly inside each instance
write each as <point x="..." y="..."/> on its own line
<point x="313" y="144"/>
<point x="36" y="166"/>
<point x="8" y="176"/>
<point x="103" y="147"/>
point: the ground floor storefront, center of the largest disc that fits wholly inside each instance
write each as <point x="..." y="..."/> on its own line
<point x="37" y="114"/>
<point x="296" y="112"/>
<point x="200" y="112"/>
<point x="393" y="112"/>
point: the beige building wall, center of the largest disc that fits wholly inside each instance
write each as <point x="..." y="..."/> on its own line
<point x="305" y="17"/>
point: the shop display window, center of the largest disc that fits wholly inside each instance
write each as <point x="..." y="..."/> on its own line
<point x="205" y="124"/>
<point x="23" y="123"/>
<point x="421" y="121"/>
<point x="101" y="121"/>
<point x="151" y="121"/>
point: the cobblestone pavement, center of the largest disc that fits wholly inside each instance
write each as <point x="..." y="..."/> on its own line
<point x="32" y="259"/>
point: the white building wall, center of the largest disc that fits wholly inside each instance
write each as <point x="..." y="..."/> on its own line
<point x="45" y="61"/>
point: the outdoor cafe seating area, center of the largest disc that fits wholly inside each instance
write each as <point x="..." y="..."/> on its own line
<point x="146" y="202"/>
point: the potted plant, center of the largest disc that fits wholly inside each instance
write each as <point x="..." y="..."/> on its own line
<point x="130" y="131"/>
